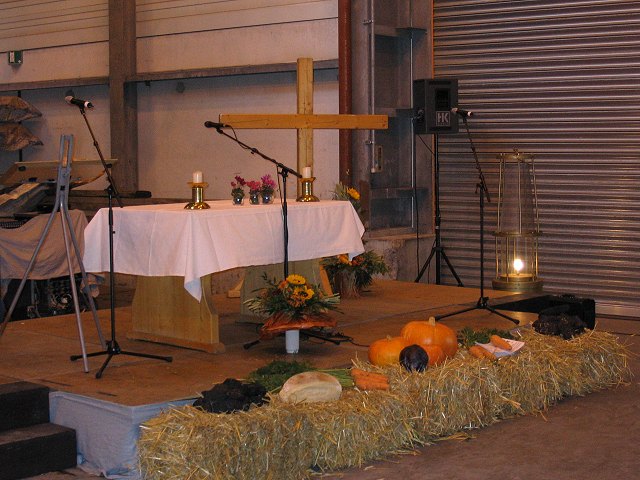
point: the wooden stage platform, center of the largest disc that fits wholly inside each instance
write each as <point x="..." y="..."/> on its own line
<point x="38" y="350"/>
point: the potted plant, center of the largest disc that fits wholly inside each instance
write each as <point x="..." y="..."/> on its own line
<point x="254" y="191"/>
<point x="351" y="277"/>
<point x="267" y="188"/>
<point x="237" y="190"/>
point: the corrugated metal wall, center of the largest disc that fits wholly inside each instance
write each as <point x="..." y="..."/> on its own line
<point x="29" y="24"/>
<point x="559" y="79"/>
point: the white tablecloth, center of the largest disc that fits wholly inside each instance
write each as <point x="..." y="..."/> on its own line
<point x="167" y="240"/>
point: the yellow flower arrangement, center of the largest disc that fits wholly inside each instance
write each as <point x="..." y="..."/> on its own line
<point x="343" y="192"/>
<point x="296" y="279"/>
<point x="292" y="296"/>
<point x="360" y="270"/>
<point x="353" y="193"/>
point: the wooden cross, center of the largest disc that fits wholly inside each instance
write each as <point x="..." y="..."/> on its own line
<point x="305" y="121"/>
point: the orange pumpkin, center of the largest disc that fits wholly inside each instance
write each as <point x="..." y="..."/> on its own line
<point x="431" y="333"/>
<point x="436" y="354"/>
<point x="386" y="351"/>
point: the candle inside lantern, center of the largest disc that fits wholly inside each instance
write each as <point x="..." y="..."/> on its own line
<point x="197" y="177"/>
<point x="518" y="265"/>
<point x="306" y="172"/>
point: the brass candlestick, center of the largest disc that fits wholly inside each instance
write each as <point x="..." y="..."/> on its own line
<point x="307" y="191"/>
<point x="197" y="198"/>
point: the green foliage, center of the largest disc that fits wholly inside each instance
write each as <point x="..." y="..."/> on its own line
<point x="273" y="375"/>
<point x="363" y="267"/>
<point x="468" y="337"/>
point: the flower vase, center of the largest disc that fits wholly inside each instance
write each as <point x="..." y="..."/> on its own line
<point x="254" y="198"/>
<point x="345" y="284"/>
<point x="267" y="198"/>
<point x="292" y="341"/>
<point x="238" y="199"/>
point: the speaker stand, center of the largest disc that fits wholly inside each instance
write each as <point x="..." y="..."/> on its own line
<point x="437" y="251"/>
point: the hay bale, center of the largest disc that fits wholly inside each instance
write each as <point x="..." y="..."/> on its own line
<point x="283" y="441"/>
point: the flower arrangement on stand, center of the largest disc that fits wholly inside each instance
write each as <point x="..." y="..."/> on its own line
<point x="292" y="304"/>
<point x="351" y="277"/>
<point x="267" y="188"/>
<point x="254" y="191"/>
<point x="237" y="190"/>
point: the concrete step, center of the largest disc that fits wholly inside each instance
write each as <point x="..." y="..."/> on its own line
<point x="36" y="449"/>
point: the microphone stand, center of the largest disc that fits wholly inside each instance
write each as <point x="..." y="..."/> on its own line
<point x="284" y="172"/>
<point x="112" y="345"/>
<point x="483" y="191"/>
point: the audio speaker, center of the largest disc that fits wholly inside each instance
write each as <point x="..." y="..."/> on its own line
<point x="433" y="100"/>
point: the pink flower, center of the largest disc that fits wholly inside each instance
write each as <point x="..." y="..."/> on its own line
<point x="253" y="185"/>
<point x="237" y="187"/>
<point x="267" y="180"/>
<point x="268" y="184"/>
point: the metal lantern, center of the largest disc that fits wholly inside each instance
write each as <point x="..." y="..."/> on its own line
<point x="518" y="225"/>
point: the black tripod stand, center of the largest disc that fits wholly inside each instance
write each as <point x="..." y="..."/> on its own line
<point x="482" y="191"/>
<point x="112" y="345"/>
<point x="437" y="251"/>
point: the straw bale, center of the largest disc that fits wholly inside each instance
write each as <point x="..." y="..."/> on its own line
<point x="282" y="441"/>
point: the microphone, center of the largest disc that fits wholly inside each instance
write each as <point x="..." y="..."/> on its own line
<point x="215" y="125"/>
<point x="461" y="112"/>
<point x="76" y="101"/>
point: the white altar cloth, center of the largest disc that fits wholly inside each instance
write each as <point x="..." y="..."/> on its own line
<point x="167" y="240"/>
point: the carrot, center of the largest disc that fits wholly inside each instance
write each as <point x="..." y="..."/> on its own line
<point x="476" y="351"/>
<point x="479" y="352"/>
<point x="369" y="380"/>
<point x="372" y="376"/>
<point x="364" y="373"/>
<point x="364" y="384"/>
<point x="488" y="354"/>
<point x="500" y="342"/>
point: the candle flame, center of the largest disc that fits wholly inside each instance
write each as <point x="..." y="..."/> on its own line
<point x="518" y="265"/>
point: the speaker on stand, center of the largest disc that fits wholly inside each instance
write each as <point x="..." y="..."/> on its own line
<point x="433" y="101"/>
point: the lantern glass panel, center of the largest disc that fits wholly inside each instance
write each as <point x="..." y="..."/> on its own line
<point x="517" y="226"/>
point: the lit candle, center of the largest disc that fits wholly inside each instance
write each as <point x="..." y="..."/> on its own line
<point x="518" y="264"/>
<point x="197" y="177"/>
<point x="306" y="172"/>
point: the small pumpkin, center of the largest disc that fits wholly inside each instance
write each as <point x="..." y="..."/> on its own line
<point x="386" y="351"/>
<point x="431" y="333"/>
<point x="436" y="354"/>
<point x="414" y="357"/>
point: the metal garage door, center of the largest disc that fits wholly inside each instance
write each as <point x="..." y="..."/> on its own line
<point x="559" y="80"/>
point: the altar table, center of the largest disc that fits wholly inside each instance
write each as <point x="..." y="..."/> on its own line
<point x="155" y="241"/>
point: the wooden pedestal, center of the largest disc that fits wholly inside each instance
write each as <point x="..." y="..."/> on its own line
<point x="164" y="312"/>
